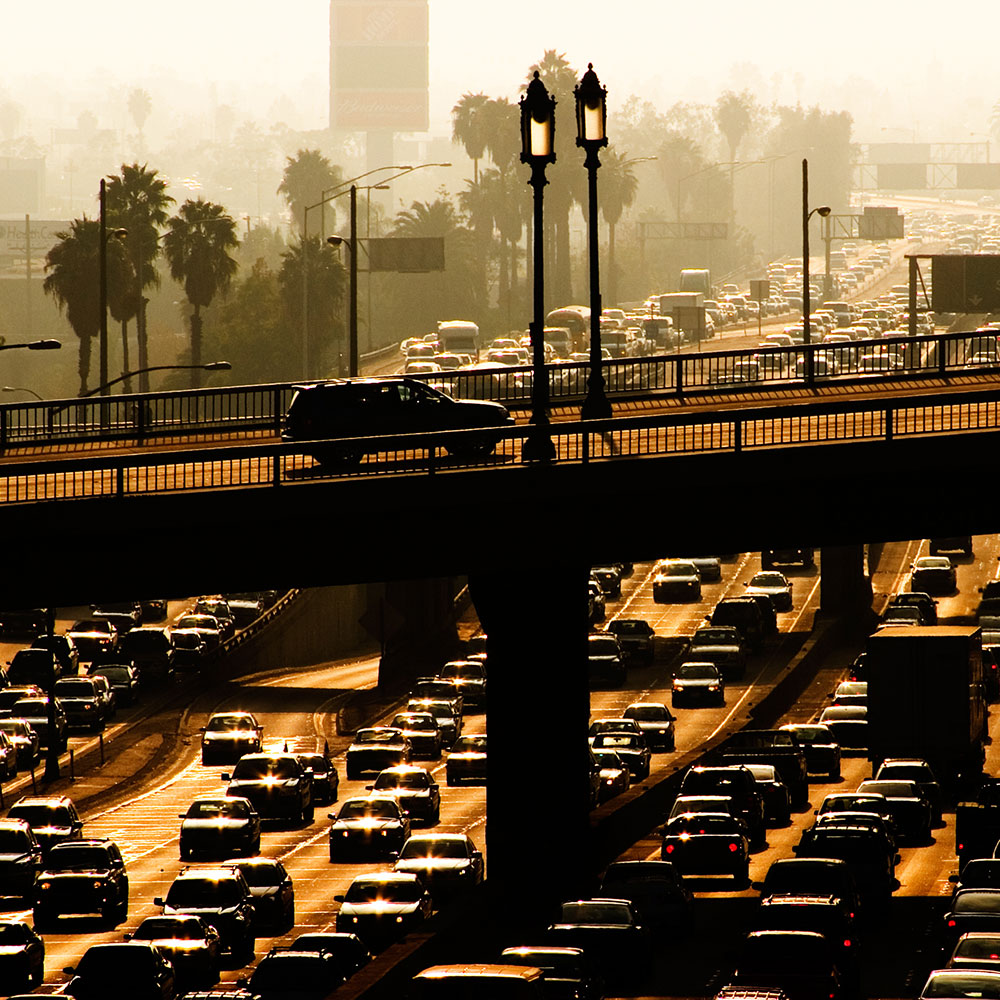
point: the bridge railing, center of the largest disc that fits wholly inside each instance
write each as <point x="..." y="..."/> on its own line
<point x="721" y="432"/>
<point x="229" y="411"/>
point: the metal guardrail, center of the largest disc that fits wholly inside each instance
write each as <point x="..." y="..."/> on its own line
<point x="239" y="410"/>
<point x="659" y="435"/>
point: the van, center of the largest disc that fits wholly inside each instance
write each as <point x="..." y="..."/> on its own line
<point x="34" y="666"/>
<point x="744" y="615"/>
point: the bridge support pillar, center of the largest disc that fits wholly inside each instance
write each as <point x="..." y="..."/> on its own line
<point x="844" y="586"/>
<point x="538" y="708"/>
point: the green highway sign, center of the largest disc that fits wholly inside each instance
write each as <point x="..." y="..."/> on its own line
<point x="965" y="283"/>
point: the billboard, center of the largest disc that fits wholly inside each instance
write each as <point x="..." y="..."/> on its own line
<point x="880" y="223"/>
<point x="965" y="283"/>
<point x="43" y="236"/>
<point x="379" y="65"/>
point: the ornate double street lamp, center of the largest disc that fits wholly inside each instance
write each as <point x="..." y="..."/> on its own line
<point x="538" y="130"/>
<point x="591" y="134"/>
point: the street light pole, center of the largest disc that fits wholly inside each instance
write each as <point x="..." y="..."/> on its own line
<point x="538" y="126"/>
<point x="103" y="279"/>
<point x="591" y="126"/>
<point x="823" y="212"/>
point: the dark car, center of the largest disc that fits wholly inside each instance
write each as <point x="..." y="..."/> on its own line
<point x="862" y="847"/>
<point x="22" y="956"/>
<point x="272" y="892"/>
<point x="631" y="747"/>
<point x="918" y="771"/>
<point x="636" y="637"/>
<point x="743" y="614"/>
<point x="605" y="659"/>
<point x="52" y="818"/>
<point x="769" y="558"/>
<point x="227" y="736"/>
<point x="820" y="747"/>
<point x="610" y="933"/>
<point x="414" y="789"/>
<point x="774" y="792"/>
<point x="812" y="877"/>
<point x="34" y="666"/>
<point x="738" y="783"/>
<point x="8" y="757"/>
<point x="374" y="749"/>
<point x="849" y="725"/>
<point x="698" y="683"/>
<point x="122" y="614"/>
<point x="654" y="888"/>
<point x="979" y="873"/>
<point x="94" y="638"/>
<point x="655" y="722"/>
<point x="372" y="827"/>
<point x="961" y="984"/>
<point x="150" y="649"/>
<point x="217" y="825"/>
<point x="122" y="678"/>
<point x="801" y="963"/>
<point x="383" y="906"/>
<point x="469" y="676"/>
<point x="920" y="600"/>
<point x="81" y="876"/>
<point x="130" y="970"/>
<point x="858" y="802"/>
<point x="610" y="579"/>
<point x="977" y="950"/>
<point x="9" y="696"/>
<point x="65" y="649"/>
<point x="596" y="602"/>
<point x="325" y="779"/>
<point x="24" y="621"/>
<point x="35" y="711"/>
<point x="82" y="702"/>
<point x="290" y="974"/>
<point x="676" y="580"/>
<point x="24" y="739"/>
<point x="467" y="760"/>
<point x="347" y="950"/>
<point x="207" y="626"/>
<point x="367" y="407"/>
<point x="422" y="732"/>
<point x="566" y="973"/>
<point x="20" y="858"/>
<point x="246" y="607"/>
<point x="218" y="608"/>
<point x="707" y="844"/>
<point x="911" y="809"/>
<point x="439" y="688"/>
<point x="221" y="897"/>
<point x="277" y="785"/>
<point x="190" y="944"/>
<point x="933" y="575"/>
<point x="191" y="648"/>
<point x="721" y="645"/>
<point x="614" y="775"/>
<point x="447" y="864"/>
<point x="971" y="910"/>
<point x="774" y="585"/>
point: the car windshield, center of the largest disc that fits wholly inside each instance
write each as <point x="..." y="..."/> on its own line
<point x="984" y="872"/>
<point x="14" y="727"/>
<point x="933" y="562"/>
<point x="378" y="736"/>
<point x="218" y="809"/>
<point x="974" y="901"/>
<point x="368" y="809"/>
<point x="204" y="893"/>
<point x="608" y="759"/>
<point x="41" y="815"/>
<point x="973" y="985"/>
<point x="198" y="621"/>
<point x="415" y="722"/>
<point x="434" y="848"/>
<point x="74" y="688"/>
<point x="145" y="641"/>
<point x="907" y="772"/>
<point x="161" y="928"/>
<point x="402" y="779"/>
<point x="252" y="768"/>
<point x="768" y="580"/>
<point x="228" y="723"/>
<point x="92" y="626"/>
<point x="679" y="569"/>
<point x="261" y="875"/>
<point x="464" y="671"/>
<point x="647" y="713"/>
<point x="372" y="891"/>
<point x="113" y="674"/>
<point x="625" y="627"/>
<point x="890" y="789"/>
<point x="107" y="963"/>
<point x="600" y="645"/>
<point x="90" y="858"/>
<point x="690" y="824"/>
<point x="842" y="713"/>
<point x="698" y="672"/>
<point x="469" y="744"/>
<point x="987" y="946"/>
<point x="616" y="741"/>
<point x="715" y="637"/>
<point x="310" y="974"/>
<point x="590" y="911"/>
<point x="808" y="879"/>
<point x="14" y="842"/>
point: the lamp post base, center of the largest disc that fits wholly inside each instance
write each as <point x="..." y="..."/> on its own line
<point x="538" y="446"/>
<point x="596" y="406"/>
<point x="51" y="772"/>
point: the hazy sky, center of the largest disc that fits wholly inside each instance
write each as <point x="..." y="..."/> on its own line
<point x="663" y="49"/>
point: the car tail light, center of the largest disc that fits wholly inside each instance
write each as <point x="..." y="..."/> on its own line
<point x="669" y="848"/>
<point x="951" y="923"/>
<point x="961" y="847"/>
<point x="847" y="942"/>
<point x="734" y="847"/>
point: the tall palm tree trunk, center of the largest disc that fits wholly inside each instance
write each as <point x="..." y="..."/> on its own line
<point x="83" y="363"/>
<point x="196" y="347"/>
<point x="142" y="344"/>
<point x="127" y="385"/>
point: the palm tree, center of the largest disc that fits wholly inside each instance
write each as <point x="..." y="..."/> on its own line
<point x="307" y="175"/>
<point x="140" y="104"/>
<point x="197" y="246"/>
<point x="138" y="201"/>
<point x="73" y="280"/>
<point x="618" y="191"/>
<point x="469" y="126"/>
<point x="734" y="114"/>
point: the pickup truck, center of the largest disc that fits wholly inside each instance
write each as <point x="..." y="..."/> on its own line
<point x="778" y="747"/>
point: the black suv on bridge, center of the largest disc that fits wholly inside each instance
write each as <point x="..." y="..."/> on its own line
<point x="82" y="876"/>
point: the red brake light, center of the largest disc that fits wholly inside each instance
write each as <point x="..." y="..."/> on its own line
<point x="670" y="848"/>
<point x="847" y="942"/>
<point x="951" y="923"/>
<point x="734" y="847"/>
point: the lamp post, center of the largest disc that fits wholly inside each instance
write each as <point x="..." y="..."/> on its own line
<point x="538" y="129"/>
<point x="32" y="345"/>
<point x="823" y="212"/>
<point x="209" y="366"/>
<point x="325" y="198"/>
<point x="591" y="134"/>
<point x="21" y="388"/>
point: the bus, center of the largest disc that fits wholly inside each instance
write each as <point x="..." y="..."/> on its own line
<point x="459" y="336"/>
